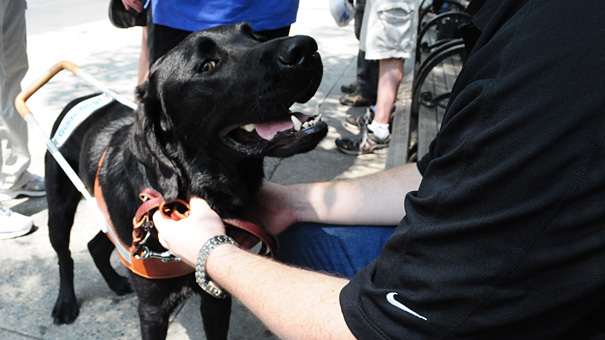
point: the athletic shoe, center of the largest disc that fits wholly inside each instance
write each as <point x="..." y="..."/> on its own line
<point x="355" y="99"/>
<point x="365" y="142"/>
<point x="33" y="188"/>
<point x="354" y="123"/>
<point x="13" y="224"/>
<point x="349" y="88"/>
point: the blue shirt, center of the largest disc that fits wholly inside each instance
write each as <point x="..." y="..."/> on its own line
<point x="194" y="15"/>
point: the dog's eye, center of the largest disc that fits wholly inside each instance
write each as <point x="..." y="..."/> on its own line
<point x="208" y="65"/>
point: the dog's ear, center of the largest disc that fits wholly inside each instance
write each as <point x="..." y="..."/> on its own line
<point x="156" y="145"/>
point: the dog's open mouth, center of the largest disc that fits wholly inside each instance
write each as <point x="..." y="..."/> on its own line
<point x="278" y="138"/>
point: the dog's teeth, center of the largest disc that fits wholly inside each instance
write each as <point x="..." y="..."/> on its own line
<point x="248" y="127"/>
<point x="306" y="125"/>
<point x="318" y="118"/>
<point x="297" y="123"/>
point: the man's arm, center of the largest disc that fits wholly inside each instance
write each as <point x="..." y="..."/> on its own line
<point x="293" y="303"/>
<point x="376" y="199"/>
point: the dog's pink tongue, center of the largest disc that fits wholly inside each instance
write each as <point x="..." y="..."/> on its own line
<point x="269" y="130"/>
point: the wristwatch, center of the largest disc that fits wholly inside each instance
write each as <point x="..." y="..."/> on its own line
<point x="201" y="277"/>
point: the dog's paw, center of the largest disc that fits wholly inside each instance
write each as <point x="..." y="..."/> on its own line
<point x="65" y="312"/>
<point x="121" y="286"/>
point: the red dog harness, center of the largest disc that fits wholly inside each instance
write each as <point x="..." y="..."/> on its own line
<point x="152" y="265"/>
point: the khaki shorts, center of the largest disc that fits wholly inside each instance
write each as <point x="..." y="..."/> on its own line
<point x="389" y="29"/>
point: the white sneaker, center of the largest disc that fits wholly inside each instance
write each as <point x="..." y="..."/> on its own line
<point x="13" y="224"/>
<point x="33" y="188"/>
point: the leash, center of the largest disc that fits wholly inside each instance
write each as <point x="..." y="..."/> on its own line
<point x="143" y="222"/>
<point x="177" y="210"/>
<point x="150" y="264"/>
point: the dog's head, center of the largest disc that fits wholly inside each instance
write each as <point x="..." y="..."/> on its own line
<point x="226" y="94"/>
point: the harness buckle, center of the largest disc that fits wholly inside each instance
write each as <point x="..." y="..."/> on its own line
<point x="147" y="225"/>
<point x="146" y="253"/>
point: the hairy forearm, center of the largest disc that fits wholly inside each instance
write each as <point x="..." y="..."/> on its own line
<point x="375" y="199"/>
<point x="293" y="303"/>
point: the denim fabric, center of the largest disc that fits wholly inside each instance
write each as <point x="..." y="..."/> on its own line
<point x="342" y="250"/>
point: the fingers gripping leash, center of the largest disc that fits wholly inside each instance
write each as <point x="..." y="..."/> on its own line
<point x="143" y="223"/>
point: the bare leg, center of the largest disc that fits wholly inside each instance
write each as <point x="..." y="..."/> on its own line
<point x="390" y="76"/>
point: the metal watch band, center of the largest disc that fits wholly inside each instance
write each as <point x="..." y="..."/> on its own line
<point x="201" y="277"/>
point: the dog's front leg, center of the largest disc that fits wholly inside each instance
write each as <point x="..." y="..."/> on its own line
<point x="154" y="322"/>
<point x="215" y="316"/>
<point x="157" y="300"/>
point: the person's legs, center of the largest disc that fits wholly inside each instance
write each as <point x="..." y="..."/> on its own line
<point x="390" y="41"/>
<point x="367" y="70"/>
<point x="342" y="250"/>
<point x="363" y="91"/>
<point x="161" y="39"/>
<point x="375" y="137"/>
<point x="367" y="76"/>
<point x="391" y="74"/>
<point x="360" y="7"/>
<point x="14" y="154"/>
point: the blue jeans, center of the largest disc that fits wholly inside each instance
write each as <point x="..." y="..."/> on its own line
<point x="336" y="249"/>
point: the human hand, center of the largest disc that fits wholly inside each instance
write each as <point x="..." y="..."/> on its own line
<point x="271" y="208"/>
<point x="135" y="4"/>
<point x="184" y="238"/>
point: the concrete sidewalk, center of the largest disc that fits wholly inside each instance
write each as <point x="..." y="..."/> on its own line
<point x="29" y="271"/>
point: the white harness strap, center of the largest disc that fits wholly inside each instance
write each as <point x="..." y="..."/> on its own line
<point x="77" y="115"/>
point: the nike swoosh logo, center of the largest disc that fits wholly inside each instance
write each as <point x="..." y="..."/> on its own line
<point x="391" y="300"/>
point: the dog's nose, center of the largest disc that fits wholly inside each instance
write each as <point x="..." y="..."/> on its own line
<point x="296" y="50"/>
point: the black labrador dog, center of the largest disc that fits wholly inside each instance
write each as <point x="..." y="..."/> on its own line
<point x="211" y="110"/>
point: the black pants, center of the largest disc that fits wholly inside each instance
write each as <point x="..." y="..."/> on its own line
<point x="367" y="70"/>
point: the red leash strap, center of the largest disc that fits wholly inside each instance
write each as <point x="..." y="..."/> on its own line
<point x="179" y="209"/>
<point x="143" y="219"/>
<point x="269" y="244"/>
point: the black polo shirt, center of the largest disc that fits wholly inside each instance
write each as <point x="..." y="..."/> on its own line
<point x="505" y="237"/>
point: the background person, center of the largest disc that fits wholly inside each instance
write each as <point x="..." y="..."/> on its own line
<point x="387" y="35"/>
<point x="15" y="180"/>
<point x="362" y="92"/>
